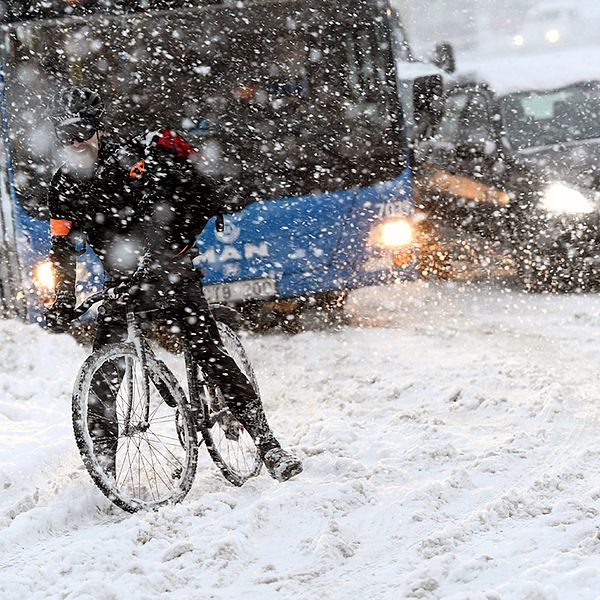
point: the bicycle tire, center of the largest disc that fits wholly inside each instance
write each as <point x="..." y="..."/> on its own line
<point x="166" y="384"/>
<point x="234" y="473"/>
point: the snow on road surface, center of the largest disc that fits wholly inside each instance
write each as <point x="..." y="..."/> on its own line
<point x="451" y="440"/>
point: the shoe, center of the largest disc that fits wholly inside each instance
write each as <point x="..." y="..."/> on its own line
<point x="282" y="465"/>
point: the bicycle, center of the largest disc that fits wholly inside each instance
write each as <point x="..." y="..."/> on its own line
<point x="155" y="459"/>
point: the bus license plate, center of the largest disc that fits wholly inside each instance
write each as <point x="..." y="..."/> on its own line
<point x="237" y="291"/>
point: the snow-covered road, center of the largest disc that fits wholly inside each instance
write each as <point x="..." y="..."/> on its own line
<point x="451" y="445"/>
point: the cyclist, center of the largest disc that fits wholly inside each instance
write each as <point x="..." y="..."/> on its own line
<point x="141" y="204"/>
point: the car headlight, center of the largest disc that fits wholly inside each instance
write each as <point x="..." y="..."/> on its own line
<point x="392" y="234"/>
<point x="518" y="40"/>
<point x="43" y="277"/>
<point x="552" y="36"/>
<point x="562" y="199"/>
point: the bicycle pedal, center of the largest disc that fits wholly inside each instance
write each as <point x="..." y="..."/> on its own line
<point x="233" y="435"/>
<point x="231" y="428"/>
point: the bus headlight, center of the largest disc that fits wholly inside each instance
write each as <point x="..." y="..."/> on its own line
<point x="393" y="234"/>
<point x="566" y="200"/>
<point x="43" y="277"/>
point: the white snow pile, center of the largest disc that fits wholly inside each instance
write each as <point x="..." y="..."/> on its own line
<point x="539" y="71"/>
<point x="451" y="447"/>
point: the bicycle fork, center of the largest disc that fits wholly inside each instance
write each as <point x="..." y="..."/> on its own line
<point x="199" y="409"/>
<point x="134" y="335"/>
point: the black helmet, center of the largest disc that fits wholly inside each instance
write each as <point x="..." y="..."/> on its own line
<point x="75" y="104"/>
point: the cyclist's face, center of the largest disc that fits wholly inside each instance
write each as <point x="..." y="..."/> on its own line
<point x="81" y="156"/>
<point x="88" y="147"/>
<point x="71" y="132"/>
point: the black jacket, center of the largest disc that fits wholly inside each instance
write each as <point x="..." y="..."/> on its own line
<point x="145" y="203"/>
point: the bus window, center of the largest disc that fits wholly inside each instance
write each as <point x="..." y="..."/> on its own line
<point x="366" y="85"/>
<point x="277" y="110"/>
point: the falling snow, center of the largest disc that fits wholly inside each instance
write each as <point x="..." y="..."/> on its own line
<point x="403" y="202"/>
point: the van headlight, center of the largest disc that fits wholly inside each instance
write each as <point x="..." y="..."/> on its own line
<point x="563" y="199"/>
<point x="43" y="277"/>
<point x="393" y="234"/>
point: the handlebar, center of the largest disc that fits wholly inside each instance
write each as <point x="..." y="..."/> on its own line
<point x="113" y="293"/>
<point x="221" y="312"/>
<point x="80" y="310"/>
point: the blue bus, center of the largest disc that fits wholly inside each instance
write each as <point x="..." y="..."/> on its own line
<point x="293" y="106"/>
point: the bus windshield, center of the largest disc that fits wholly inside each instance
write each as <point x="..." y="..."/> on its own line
<point x="281" y="99"/>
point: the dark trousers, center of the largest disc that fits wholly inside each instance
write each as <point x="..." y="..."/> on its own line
<point x="184" y="307"/>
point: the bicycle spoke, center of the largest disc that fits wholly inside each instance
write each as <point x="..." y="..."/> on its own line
<point x="163" y="417"/>
<point x="174" y="443"/>
<point x="148" y="476"/>
<point x="161" y="465"/>
<point x="149" y="466"/>
<point x="118" y="477"/>
<point x="151" y="416"/>
<point x="131" y="471"/>
<point x="167" y="485"/>
<point x="236" y="454"/>
<point x="177" y="461"/>
<point x="132" y="462"/>
<point x="108" y="383"/>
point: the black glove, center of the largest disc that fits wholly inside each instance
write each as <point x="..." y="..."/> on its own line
<point x="60" y="314"/>
<point x="142" y="276"/>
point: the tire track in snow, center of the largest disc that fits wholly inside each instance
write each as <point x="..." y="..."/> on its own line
<point x="562" y="373"/>
<point x="409" y="491"/>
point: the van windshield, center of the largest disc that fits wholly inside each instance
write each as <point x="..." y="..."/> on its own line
<point x="540" y="118"/>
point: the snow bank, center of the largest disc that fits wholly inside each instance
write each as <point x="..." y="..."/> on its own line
<point x="34" y="414"/>
<point x="541" y="71"/>
<point x="450" y="447"/>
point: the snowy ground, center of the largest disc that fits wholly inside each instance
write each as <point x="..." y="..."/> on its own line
<point x="451" y="450"/>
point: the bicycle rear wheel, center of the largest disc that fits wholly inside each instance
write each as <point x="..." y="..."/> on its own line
<point x="124" y="418"/>
<point x="230" y="446"/>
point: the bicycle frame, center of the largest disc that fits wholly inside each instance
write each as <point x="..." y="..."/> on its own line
<point x="136" y="337"/>
<point x="201" y="411"/>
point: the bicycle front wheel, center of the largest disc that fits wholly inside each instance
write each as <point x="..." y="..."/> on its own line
<point x="229" y="444"/>
<point x="134" y="429"/>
